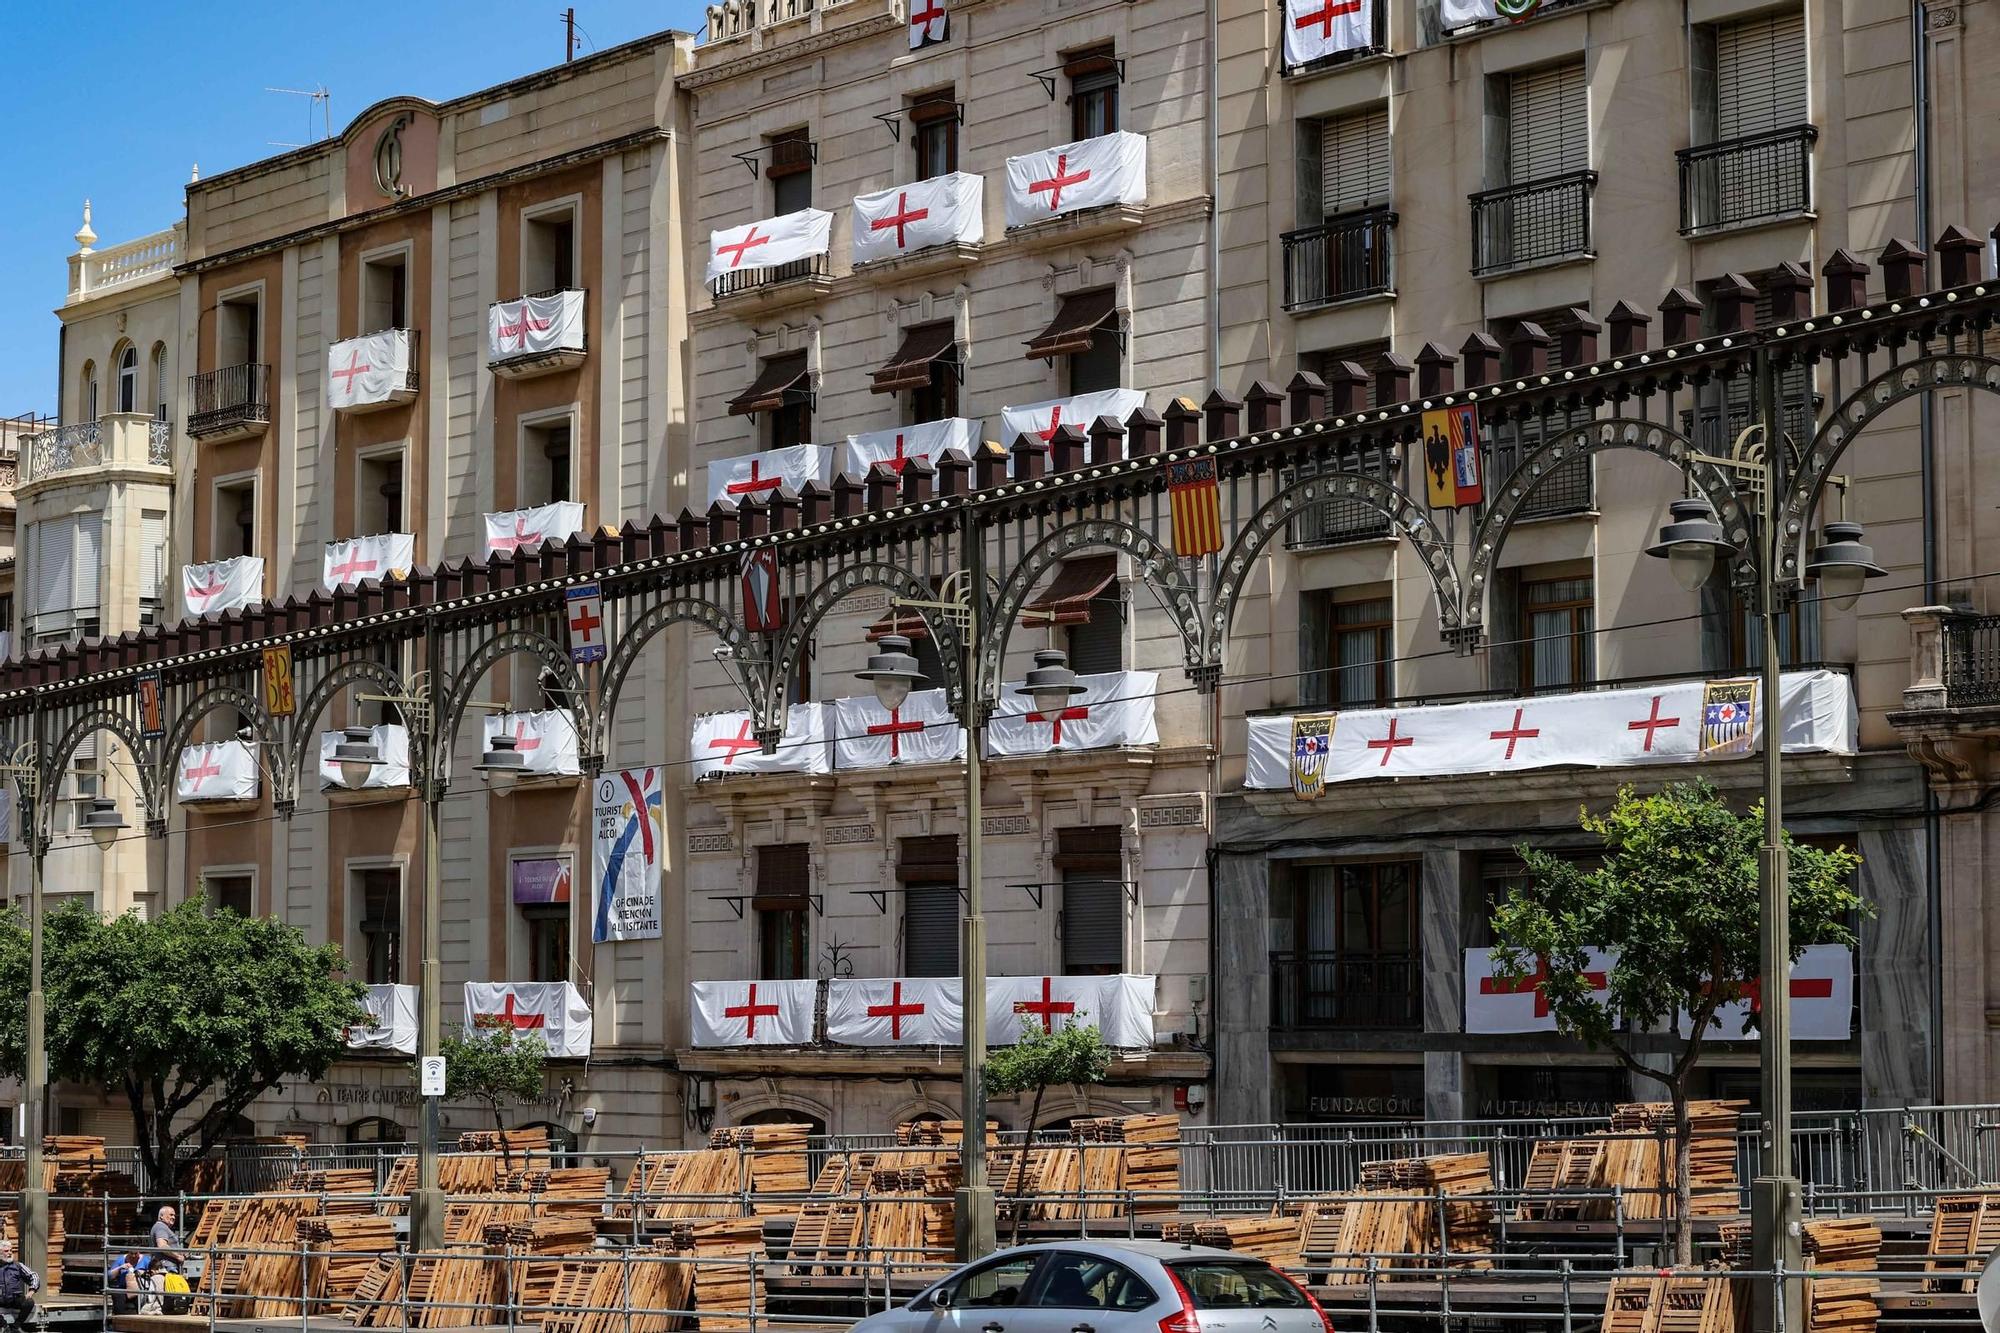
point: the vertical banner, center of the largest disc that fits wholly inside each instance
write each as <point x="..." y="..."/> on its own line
<point x="279" y="699"/>
<point x="152" y="721"/>
<point x="763" y="608"/>
<point x="1194" y="500"/>
<point x="1452" y="477"/>
<point x="1312" y="737"/>
<point x="1728" y="718"/>
<point x="627" y="837"/>
<point x="585" y="615"/>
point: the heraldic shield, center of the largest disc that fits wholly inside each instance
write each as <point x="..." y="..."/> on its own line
<point x="1312" y="737"/>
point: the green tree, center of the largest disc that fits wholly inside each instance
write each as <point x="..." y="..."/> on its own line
<point x="1675" y="899"/>
<point x="1043" y="1060"/>
<point x="495" y="1065"/>
<point x="192" y="1015"/>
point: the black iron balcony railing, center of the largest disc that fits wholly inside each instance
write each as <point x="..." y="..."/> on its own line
<point x="1343" y="257"/>
<point x="1567" y="488"/>
<point x="743" y="280"/>
<point x="1532" y="222"/>
<point x="230" y="397"/>
<point x="1751" y="179"/>
<point x="1336" y="990"/>
<point x="1972" y="661"/>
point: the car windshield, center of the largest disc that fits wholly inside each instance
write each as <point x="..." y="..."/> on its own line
<point x="1219" y="1285"/>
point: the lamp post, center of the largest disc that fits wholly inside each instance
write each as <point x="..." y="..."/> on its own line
<point x="1691" y="544"/>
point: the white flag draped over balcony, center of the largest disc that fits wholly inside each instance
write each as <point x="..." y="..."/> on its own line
<point x="937" y="211"/>
<point x="1110" y="169"/>
<point x="368" y="369"/>
<point x="899" y="444"/>
<point x="374" y="557"/>
<point x="394" y="1009"/>
<point x="512" y="529"/>
<point x="1120" y="1007"/>
<point x="1115" y="708"/>
<point x="889" y="1011"/>
<point x="733" y="480"/>
<point x="1496" y="1005"/>
<point x="922" y="731"/>
<point x="392" y="741"/>
<point x="753" y="1013"/>
<point x="1039" y="420"/>
<point x="546" y="740"/>
<point x="552" y="323"/>
<point x="1655" y="724"/>
<point x="769" y="242"/>
<point x="1822" y="1000"/>
<point x="1316" y="29"/>
<point x="723" y="744"/>
<point x="222" y="585"/>
<point x="223" y="771"/>
<point x="552" y="1010"/>
<point x="1458" y="13"/>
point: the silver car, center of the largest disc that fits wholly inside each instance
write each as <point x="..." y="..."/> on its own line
<point x="1084" y="1286"/>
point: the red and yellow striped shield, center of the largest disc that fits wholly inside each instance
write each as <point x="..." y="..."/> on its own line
<point x="1197" y="506"/>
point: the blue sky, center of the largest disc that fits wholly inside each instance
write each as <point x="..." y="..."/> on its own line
<point x="118" y="110"/>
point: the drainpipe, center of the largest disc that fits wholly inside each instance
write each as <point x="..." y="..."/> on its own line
<point x="1214" y="209"/>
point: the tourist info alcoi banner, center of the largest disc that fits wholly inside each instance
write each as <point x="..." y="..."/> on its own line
<point x="627" y="837"/>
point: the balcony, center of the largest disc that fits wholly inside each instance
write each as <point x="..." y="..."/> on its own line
<point x="233" y="403"/>
<point x="1539" y="222"/>
<point x="777" y="287"/>
<point x="119" y="440"/>
<point x="1742" y="182"/>
<point x="1342" y="259"/>
<point x="1334" y="990"/>
<point x="149" y="258"/>
<point x="1567" y="488"/>
<point x="373" y="372"/>
<point x="539" y="334"/>
<point x="1950" y="717"/>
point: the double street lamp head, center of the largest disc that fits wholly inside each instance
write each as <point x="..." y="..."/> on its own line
<point x="893" y="671"/>
<point x="1843" y="563"/>
<point x="1691" y="542"/>
<point x="356" y="754"/>
<point x="1050" y="684"/>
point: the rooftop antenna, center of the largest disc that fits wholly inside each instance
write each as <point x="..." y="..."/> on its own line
<point x="316" y="99"/>
<point x="569" y="34"/>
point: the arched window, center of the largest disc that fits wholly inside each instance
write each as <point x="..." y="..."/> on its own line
<point x="374" y="1129"/>
<point x="89" y="403"/>
<point x="128" y="379"/>
<point x="159" y="381"/>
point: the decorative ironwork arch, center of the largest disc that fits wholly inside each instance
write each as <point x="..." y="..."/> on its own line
<point x="1159" y="565"/>
<point x="1924" y="375"/>
<point x="457" y="696"/>
<point x="821" y="600"/>
<point x="1593" y="437"/>
<point x="1408" y="518"/>
<point x="246" y="703"/>
<point x="305" y="725"/>
<point x="145" y="757"/>
<point x="634" y="637"/>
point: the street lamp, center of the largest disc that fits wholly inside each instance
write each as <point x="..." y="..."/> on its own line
<point x="103" y="822"/>
<point x="1843" y="564"/>
<point x="892" y="671"/>
<point x="502" y="759"/>
<point x="1692" y="542"/>
<point x="356" y="754"/>
<point x="1050" y="684"/>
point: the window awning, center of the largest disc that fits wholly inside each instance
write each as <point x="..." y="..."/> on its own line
<point x="1070" y="593"/>
<point x="781" y="377"/>
<point x="910" y="367"/>
<point x="1077" y="319"/>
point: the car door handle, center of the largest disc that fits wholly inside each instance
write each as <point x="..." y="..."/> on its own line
<point x="1083" y="1328"/>
<point x="992" y="1328"/>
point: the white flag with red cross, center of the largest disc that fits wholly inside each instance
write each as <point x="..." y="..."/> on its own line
<point x="894" y="1011"/>
<point x="546" y="741"/>
<point x="513" y="529"/>
<point x="534" y="324"/>
<point x="1316" y="29"/>
<point x="928" y="23"/>
<point x="723" y="744"/>
<point x="552" y="1010"/>
<point x="223" y="771"/>
<point x="392" y="1025"/>
<point x="939" y="211"/>
<point x="1115" y="708"/>
<point x="899" y="444"/>
<point x="734" y="480"/>
<point x="768" y="242"/>
<point x="753" y="1013"/>
<point x="1038" y="421"/>
<point x="379" y="556"/>
<point x="1119" y="1007"/>
<point x="1496" y="1004"/>
<point x="367" y="370"/>
<point x="392" y="742"/>
<point x="1822" y="994"/>
<point x="222" y="585"/>
<point x="922" y="731"/>
<point x="1090" y="173"/>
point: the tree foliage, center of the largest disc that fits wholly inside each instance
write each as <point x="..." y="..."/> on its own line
<point x="1675" y="898"/>
<point x="191" y="1015"/>
<point x="1042" y="1060"/>
<point x="495" y="1065"/>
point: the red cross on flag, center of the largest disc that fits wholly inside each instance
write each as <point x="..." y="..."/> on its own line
<point x="546" y="740"/>
<point x="583" y="618"/>
<point x="1495" y="1004"/>
<point x="768" y="242"/>
<point x="535" y="325"/>
<point x="367" y="371"/>
<point x="1091" y="173"/>
<point x="1316" y="29"/>
<point x="1115" y="708"/>
<point x="734" y="480"/>
<point x="224" y="585"/>
<point x="939" y="211"/>
<point x="225" y="771"/>
<point x="907" y="1011"/>
<point x="392" y="741"/>
<point x="899" y="444"/>
<point x="1822" y="996"/>
<point x="922" y="731"/>
<point x="514" y="529"/>
<point x="928" y="23"/>
<point x="1120" y="1007"/>
<point x="552" y="1010"/>
<point x="1038" y="421"/>
<point x="723" y="744"/>
<point x="380" y="556"/>
<point x="753" y="1013"/>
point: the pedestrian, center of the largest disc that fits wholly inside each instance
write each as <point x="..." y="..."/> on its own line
<point x="18" y="1285"/>
<point x="167" y="1241"/>
<point x="121" y="1282"/>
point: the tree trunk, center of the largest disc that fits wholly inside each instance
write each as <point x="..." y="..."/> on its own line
<point x="1027" y="1139"/>
<point x="506" y="1153"/>
<point x="1683" y="1176"/>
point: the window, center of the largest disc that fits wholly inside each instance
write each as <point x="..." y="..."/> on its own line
<point x="89" y="391"/>
<point x="1000" y="1283"/>
<point x="1092" y="924"/>
<point x="378" y="501"/>
<point x="541" y="893"/>
<point x="928" y="869"/>
<point x="790" y="422"/>
<point x="1086" y="1282"/>
<point x="937" y="399"/>
<point x="82" y="783"/>
<point x="934" y="134"/>
<point x="238" y="330"/>
<point x="1097" y="644"/>
<point x="235" y="519"/>
<point x="790" y="171"/>
<point x="1100" y="365"/>
<point x="152" y="565"/>
<point x="1568" y="487"/>
<point x="233" y="892"/>
<point x="548" y="251"/>
<point x="1558" y="620"/>
<point x="1226" y="1285"/>
<point x="1760" y="76"/>
<point x="546" y="463"/>
<point x="128" y="379"/>
<point x="159" y="381"/>
<point x="1547" y="124"/>
<point x="1347" y="650"/>
<point x="1742" y="629"/>
<point x="66" y="554"/>
<point x="1093" y="93"/>
<point x="783" y="900"/>
<point x="1345" y="165"/>
<point x="385" y="287"/>
<point x="1356" y="962"/>
<point x="379" y="899"/>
